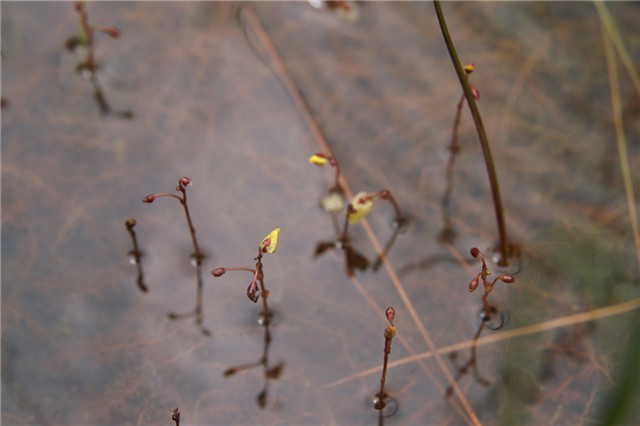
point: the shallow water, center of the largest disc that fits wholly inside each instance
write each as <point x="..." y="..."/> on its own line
<point x="82" y="345"/>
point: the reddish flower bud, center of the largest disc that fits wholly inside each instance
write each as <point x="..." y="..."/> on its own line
<point x="110" y="31"/>
<point x="252" y="292"/>
<point x="475" y="252"/>
<point x="218" y="272"/>
<point x="473" y="284"/>
<point x="149" y="198"/>
<point x="185" y="181"/>
<point x="507" y="279"/>
<point x="390" y="313"/>
<point x="475" y="93"/>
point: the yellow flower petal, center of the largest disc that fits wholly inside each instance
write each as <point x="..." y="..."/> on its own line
<point x="270" y="242"/>
<point x="362" y="205"/>
<point x="318" y="160"/>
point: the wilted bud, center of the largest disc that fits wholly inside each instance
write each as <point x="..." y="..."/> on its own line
<point x="390" y="313"/>
<point x="361" y="205"/>
<point x="253" y="293"/>
<point x="389" y="332"/>
<point x="318" y="159"/>
<point x="473" y="284"/>
<point x="130" y="223"/>
<point x="185" y="181"/>
<point x="149" y="198"/>
<point x="270" y="242"/>
<point x="331" y="202"/>
<point x="218" y="272"/>
<point x="469" y="68"/>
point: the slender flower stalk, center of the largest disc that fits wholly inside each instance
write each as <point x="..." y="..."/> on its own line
<point x="136" y="254"/>
<point x="197" y="255"/>
<point x="255" y="291"/>
<point x="380" y="400"/>
<point x="486" y="316"/>
<point x="89" y="66"/>
<point x="448" y="233"/>
<point x="505" y="249"/>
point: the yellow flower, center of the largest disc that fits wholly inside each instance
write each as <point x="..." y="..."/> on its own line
<point x="469" y="68"/>
<point x="270" y="242"/>
<point x="361" y="204"/>
<point x="318" y="160"/>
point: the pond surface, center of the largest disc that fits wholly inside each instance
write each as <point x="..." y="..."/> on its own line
<point x="82" y="345"/>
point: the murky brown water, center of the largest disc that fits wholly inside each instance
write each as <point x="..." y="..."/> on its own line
<point x="82" y="345"/>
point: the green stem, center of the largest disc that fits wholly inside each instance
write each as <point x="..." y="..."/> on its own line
<point x="484" y="141"/>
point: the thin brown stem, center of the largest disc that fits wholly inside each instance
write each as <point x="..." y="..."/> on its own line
<point x="136" y="254"/>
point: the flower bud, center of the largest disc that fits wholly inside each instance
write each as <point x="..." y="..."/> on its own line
<point x="389" y="332"/>
<point x="475" y="252"/>
<point x="110" y="31"/>
<point x="318" y="159"/>
<point x="390" y="313"/>
<point x="474" y="91"/>
<point x="473" y="284"/>
<point x="253" y="293"/>
<point x="185" y="181"/>
<point x="270" y="242"/>
<point x="130" y="223"/>
<point x="507" y="279"/>
<point x="218" y="272"/>
<point x="469" y="68"/>
<point x="149" y="198"/>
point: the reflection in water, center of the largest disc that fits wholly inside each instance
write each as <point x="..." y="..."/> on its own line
<point x="136" y="254"/>
<point x="254" y="291"/>
<point x="568" y="343"/>
<point x="488" y="318"/>
<point x="88" y="67"/>
<point x="197" y="255"/>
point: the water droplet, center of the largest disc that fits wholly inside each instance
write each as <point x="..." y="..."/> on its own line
<point x="389" y="405"/>
<point x="262" y="317"/>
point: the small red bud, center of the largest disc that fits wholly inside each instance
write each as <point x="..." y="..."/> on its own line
<point x="110" y="31"/>
<point x="149" y="198"/>
<point x="185" y="181"/>
<point x="218" y="272"/>
<point x="473" y="284"/>
<point x="390" y="313"/>
<point x="476" y="94"/>
<point x="507" y="279"/>
<point x="475" y="252"/>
